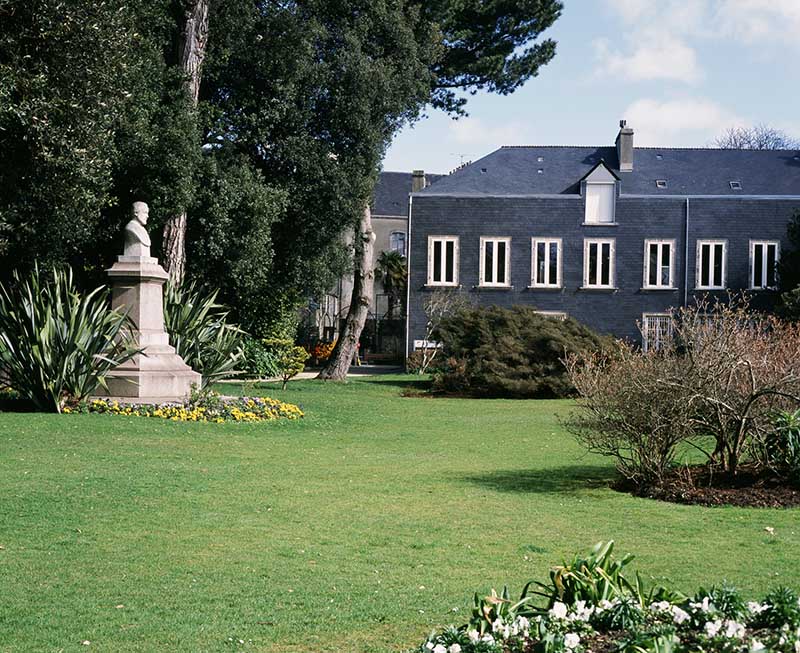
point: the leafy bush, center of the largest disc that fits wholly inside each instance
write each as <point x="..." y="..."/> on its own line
<point x="516" y="352"/>
<point x="259" y="361"/>
<point x="56" y="344"/>
<point x="199" y="331"/>
<point x="290" y="358"/>
<point x="634" y="620"/>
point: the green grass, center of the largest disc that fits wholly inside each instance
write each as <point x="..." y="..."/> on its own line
<point x="358" y="529"/>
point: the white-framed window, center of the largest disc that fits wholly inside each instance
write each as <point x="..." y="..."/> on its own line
<point x="397" y="242"/>
<point x="598" y="263"/>
<point x="545" y="262"/>
<point x="764" y="257"/>
<point x="711" y="264"/>
<point x="659" y="264"/>
<point x="556" y="315"/>
<point x="600" y="202"/>
<point x="495" y="261"/>
<point x="656" y="330"/>
<point x="442" y="260"/>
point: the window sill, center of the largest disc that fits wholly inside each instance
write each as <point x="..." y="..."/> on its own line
<point x="599" y="288"/>
<point x="480" y="287"/>
<point x="599" y="224"/>
<point x="658" y="288"/>
<point x="710" y="289"/>
<point x="763" y="289"/>
<point x="442" y="285"/>
<point x="546" y="288"/>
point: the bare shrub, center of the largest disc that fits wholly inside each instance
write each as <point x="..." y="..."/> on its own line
<point x="725" y="375"/>
<point x="631" y="408"/>
<point x="741" y="368"/>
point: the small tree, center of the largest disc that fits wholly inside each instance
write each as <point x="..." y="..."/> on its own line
<point x="391" y="272"/>
<point x="438" y="306"/>
<point x="290" y="358"/>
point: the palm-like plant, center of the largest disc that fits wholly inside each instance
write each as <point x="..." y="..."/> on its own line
<point x="391" y="272"/>
<point x="56" y="344"/>
<point x="198" y="328"/>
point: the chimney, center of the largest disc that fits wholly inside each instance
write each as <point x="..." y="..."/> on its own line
<point x="625" y="147"/>
<point x="418" y="181"/>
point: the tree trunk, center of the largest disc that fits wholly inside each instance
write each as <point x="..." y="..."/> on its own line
<point x="192" y="51"/>
<point x="363" y="283"/>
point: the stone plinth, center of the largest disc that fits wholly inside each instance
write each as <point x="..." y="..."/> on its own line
<point x="158" y="374"/>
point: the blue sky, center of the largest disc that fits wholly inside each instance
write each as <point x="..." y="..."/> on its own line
<point x="679" y="71"/>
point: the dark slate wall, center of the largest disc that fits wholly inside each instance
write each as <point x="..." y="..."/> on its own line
<point x="615" y="312"/>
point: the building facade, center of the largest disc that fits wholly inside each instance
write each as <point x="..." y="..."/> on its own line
<point x="614" y="237"/>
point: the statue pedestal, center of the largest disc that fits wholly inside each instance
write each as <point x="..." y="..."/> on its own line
<point x="159" y="374"/>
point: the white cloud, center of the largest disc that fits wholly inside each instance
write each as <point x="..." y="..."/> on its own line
<point x="658" y="37"/>
<point x="477" y="135"/>
<point x="759" y="21"/>
<point x="683" y="122"/>
<point x="657" y="57"/>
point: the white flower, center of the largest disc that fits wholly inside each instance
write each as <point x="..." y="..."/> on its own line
<point x="497" y="624"/>
<point x="678" y="615"/>
<point x="439" y="648"/>
<point x="454" y="648"/>
<point x="571" y="640"/>
<point x="756" y="608"/>
<point x="488" y="639"/>
<point x="474" y="636"/>
<point x="429" y="646"/>
<point x="703" y="606"/>
<point x="582" y="613"/>
<point x="797" y="646"/>
<point x="755" y="645"/>
<point x="734" y="629"/>
<point x="713" y="627"/>
<point x="661" y="606"/>
<point x="559" y="610"/>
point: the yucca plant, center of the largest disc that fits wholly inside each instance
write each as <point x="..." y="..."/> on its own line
<point x="56" y="344"/>
<point x="593" y="578"/>
<point x="198" y="328"/>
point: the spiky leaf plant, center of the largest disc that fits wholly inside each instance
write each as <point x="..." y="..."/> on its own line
<point x="57" y="344"/>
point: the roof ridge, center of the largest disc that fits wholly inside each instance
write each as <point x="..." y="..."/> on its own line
<point x="649" y="147"/>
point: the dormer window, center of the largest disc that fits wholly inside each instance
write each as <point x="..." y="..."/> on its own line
<point x="540" y="159"/>
<point x="540" y="171"/>
<point x="600" y="191"/>
<point x="736" y="185"/>
<point x="661" y="183"/>
<point x="599" y="203"/>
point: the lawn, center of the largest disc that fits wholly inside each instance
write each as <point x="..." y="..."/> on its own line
<point x="359" y="528"/>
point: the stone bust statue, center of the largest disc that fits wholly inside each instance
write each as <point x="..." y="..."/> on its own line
<point x="137" y="240"/>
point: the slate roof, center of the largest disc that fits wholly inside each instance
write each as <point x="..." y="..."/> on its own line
<point x="514" y="170"/>
<point x="392" y="191"/>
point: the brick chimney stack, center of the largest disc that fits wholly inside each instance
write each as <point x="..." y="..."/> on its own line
<point x="625" y="147"/>
<point x="418" y="181"/>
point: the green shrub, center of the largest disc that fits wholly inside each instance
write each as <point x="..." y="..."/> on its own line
<point x="199" y="331"/>
<point x="515" y="352"/>
<point x="258" y="360"/>
<point x="290" y="358"/>
<point x="782" y="446"/>
<point x="56" y="344"/>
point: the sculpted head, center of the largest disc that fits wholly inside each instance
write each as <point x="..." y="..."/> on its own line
<point x="140" y="212"/>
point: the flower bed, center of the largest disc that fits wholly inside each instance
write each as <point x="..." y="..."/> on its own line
<point x="589" y="606"/>
<point x="208" y="408"/>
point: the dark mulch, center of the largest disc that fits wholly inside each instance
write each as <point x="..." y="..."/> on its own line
<point x="703" y="486"/>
